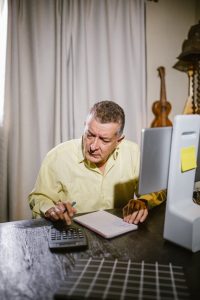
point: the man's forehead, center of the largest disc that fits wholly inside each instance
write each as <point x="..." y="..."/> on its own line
<point x="102" y="129"/>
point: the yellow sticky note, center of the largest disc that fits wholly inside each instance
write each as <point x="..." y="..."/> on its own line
<point x="188" y="158"/>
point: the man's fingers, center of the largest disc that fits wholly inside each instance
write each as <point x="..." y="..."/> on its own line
<point x="145" y="214"/>
<point x="52" y="215"/>
<point x="136" y="217"/>
<point x="133" y="206"/>
<point x="61" y="211"/>
<point x="70" y="209"/>
<point x="131" y="217"/>
<point x="67" y="218"/>
<point x="69" y="212"/>
<point x="61" y="206"/>
<point x="135" y="211"/>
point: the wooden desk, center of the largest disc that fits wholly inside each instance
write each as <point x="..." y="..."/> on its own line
<point x="29" y="270"/>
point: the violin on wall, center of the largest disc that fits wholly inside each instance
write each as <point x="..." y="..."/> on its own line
<point x="161" y="108"/>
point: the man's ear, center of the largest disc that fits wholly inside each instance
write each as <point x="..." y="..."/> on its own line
<point x="120" y="139"/>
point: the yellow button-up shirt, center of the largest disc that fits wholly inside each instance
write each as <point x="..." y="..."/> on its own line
<point x="66" y="176"/>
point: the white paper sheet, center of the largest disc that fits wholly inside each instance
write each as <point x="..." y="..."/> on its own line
<point x="105" y="223"/>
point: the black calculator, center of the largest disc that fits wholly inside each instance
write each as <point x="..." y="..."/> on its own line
<point x="69" y="237"/>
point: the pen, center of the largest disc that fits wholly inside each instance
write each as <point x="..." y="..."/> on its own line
<point x="73" y="203"/>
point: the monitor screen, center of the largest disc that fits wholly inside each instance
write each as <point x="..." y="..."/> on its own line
<point x="197" y="174"/>
<point x="154" y="160"/>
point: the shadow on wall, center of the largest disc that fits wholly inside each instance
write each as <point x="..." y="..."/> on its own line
<point x="123" y="192"/>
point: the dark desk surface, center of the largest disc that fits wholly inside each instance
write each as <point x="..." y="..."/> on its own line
<point x="29" y="270"/>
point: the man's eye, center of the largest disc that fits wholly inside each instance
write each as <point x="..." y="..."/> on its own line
<point x="105" y="141"/>
<point x="89" y="135"/>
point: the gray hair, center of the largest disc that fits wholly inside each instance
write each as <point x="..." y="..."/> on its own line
<point x="108" y="112"/>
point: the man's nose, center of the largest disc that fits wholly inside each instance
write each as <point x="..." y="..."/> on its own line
<point x="95" y="144"/>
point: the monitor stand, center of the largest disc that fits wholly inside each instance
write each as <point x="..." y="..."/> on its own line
<point x="182" y="217"/>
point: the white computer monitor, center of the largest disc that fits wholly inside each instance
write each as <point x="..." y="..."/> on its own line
<point x="162" y="167"/>
<point x="182" y="215"/>
<point x="154" y="159"/>
<point x="197" y="173"/>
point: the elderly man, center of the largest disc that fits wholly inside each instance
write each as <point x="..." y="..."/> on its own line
<point x="99" y="171"/>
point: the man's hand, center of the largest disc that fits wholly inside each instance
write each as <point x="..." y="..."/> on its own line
<point x="61" y="211"/>
<point x="135" y="211"/>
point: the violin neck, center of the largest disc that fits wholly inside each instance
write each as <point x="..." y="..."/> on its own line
<point x="163" y="98"/>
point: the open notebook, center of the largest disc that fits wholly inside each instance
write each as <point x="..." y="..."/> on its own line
<point x="105" y="223"/>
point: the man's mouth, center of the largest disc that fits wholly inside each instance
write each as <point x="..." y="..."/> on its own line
<point x="95" y="155"/>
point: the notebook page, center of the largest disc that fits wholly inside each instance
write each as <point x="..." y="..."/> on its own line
<point x="105" y="223"/>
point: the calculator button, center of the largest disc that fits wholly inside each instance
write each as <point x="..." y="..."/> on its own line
<point x="70" y="237"/>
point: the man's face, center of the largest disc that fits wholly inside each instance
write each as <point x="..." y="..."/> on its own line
<point x="99" y="140"/>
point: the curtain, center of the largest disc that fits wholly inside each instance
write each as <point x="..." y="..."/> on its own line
<point x="63" y="56"/>
<point x="3" y="152"/>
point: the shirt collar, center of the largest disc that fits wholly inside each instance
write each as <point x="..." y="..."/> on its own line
<point x="80" y="151"/>
<point x="115" y="153"/>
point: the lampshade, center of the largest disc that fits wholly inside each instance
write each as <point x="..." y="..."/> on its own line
<point x="183" y="66"/>
<point x="191" y="46"/>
